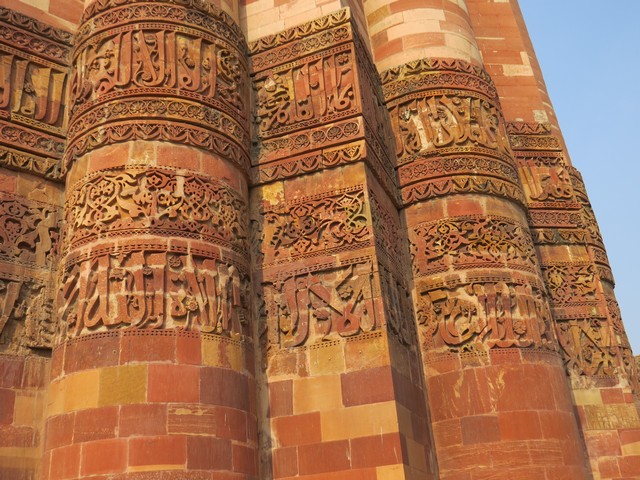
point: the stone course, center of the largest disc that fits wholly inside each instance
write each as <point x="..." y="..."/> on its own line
<point x="284" y="239"/>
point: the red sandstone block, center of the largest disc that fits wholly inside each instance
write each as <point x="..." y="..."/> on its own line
<point x="480" y="429"/>
<point x="221" y="422"/>
<point x="65" y="462"/>
<point x="518" y="473"/>
<point x="530" y="387"/>
<point x="135" y="346"/>
<point x="451" y="396"/>
<point x="608" y="467"/>
<point x="297" y="429"/>
<point x="460" y="205"/>
<point x="174" y="383"/>
<point x="376" y="451"/>
<point x="603" y="443"/>
<point x="407" y="394"/>
<point x="285" y="462"/>
<point x="219" y="386"/>
<point x="11" y="436"/>
<point x="188" y="350"/>
<point x="95" y="424"/>
<point x="57" y="362"/>
<point x="35" y="373"/>
<point x="108" y="157"/>
<point x="371" y="385"/>
<point x="519" y="425"/>
<point x="386" y="48"/>
<point x="324" y="457"/>
<point x="557" y="425"/>
<point x="93" y="353"/>
<point x="280" y="398"/>
<point x="178" y="156"/>
<point x="10" y="372"/>
<point x="507" y="455"/>
<point x="447" y="433"/>
<point x="630" y="466"/>
<point x="149" y="419"/>
<point x="161" y="450"/>
<point x="546" y="452"/>
<point x="207" y="453"/>
<point x="245" y="459"/>
<point x="70" y="10"/>
<point x="104" y="456"/>
<point x="7" y="405"/>
<point x="612" y="395"/>
<point x="628" y="436"/>
<point x="59" y="431"/>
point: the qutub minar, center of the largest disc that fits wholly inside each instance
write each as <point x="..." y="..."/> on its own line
<point x="319" y="239"/>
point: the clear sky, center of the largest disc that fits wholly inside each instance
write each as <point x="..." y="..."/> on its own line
<point x="589" y="51"/>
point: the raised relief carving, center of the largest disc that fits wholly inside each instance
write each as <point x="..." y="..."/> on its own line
<point x="28" y="231"/>
<point x="164" y="201"/>
<point x="33" y="82"/>
<point x="320" y="224"/>
<point x="309" y="307"/>
<point x="471" y="242"/>
<point x="316" y="91"/>
<point x="186" y="84"/>
<point x="26" y="314"/>
<point x="447" y="120"/>
<point x="484" y="315"/>
<point x="149" y="288"/>
<point x="570" y="283"/>
<point x="587" y="346"/>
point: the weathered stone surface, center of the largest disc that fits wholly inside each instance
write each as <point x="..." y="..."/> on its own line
<point x="246" y="239"/>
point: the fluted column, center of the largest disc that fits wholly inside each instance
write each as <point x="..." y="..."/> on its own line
<point x="590" y="331"/>
<point x="494" y="376"/>
<point x="343" y="389"/>
<point x="153" y="370"/>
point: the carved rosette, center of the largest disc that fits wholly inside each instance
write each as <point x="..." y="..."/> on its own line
<point x="159" y="70"/>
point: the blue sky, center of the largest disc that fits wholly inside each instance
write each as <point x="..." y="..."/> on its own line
<point x="590" y="57"/>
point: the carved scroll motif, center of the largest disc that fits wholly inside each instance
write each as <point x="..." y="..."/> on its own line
<point x="152" y="289"/>
<point x="320" y="224"/>
<point x="570" y="283"/>
<point x="470" y="242"/>
<point x="481" y="316"/>
<point x="28" y="231"/>
<point x="309" y="307"/>
<point x="182" y="204"/>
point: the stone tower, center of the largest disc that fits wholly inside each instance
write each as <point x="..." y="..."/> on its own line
<point x="316" y="239"/>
